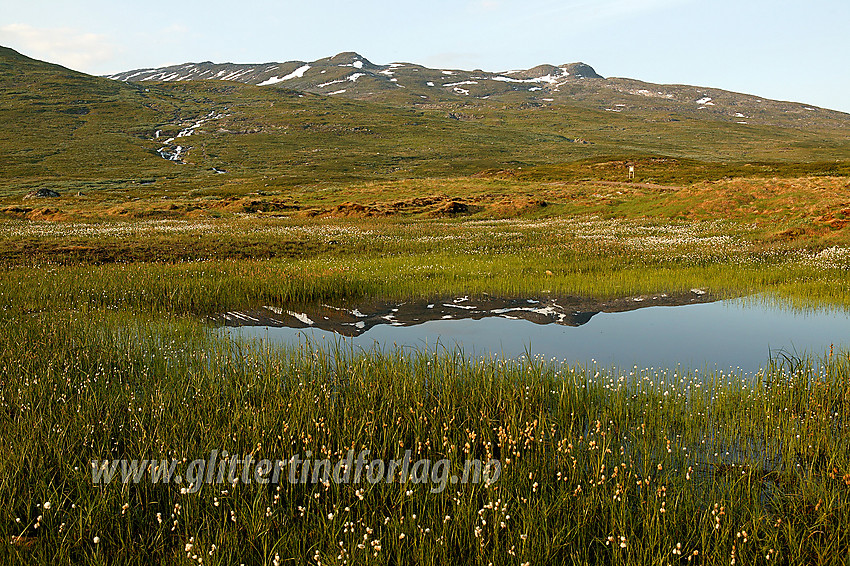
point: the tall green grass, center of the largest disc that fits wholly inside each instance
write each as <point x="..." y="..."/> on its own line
<point x="345" y="259"/>
<point x="597" y="468"/>
<point x="208" y="287"/>
<point x="110" y="361"/>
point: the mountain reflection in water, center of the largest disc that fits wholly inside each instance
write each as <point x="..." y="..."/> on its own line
<point x="354" y="320"/>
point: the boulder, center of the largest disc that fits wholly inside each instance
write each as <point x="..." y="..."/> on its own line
<point x="42" y="193"/>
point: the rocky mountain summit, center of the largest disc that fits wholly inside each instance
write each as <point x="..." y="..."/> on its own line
<point x="350" y="75"/>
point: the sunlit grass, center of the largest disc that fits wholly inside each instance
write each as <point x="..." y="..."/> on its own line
<point x="597" y="467"/>
<point x="207" y="287"/>
<point x="111" y="360"/>
<point x="337" y="260"/>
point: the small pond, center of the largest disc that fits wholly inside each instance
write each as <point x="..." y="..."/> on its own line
<point x="694" y="330"/>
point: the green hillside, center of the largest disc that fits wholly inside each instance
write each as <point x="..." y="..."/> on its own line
<point x="71" y="131"/>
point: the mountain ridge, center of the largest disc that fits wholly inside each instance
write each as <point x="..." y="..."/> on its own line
<point x="351" y="75"/>
<point x="256" y="73"/>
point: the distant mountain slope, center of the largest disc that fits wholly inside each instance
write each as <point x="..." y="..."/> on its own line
<point x="72" y="132"/>
<point x="351" y="75"/>
<point x="350" y="67"/>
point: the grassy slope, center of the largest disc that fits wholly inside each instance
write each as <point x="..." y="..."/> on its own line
<point x="72" y="131"/>
<point x="58" y="122"/>
<point x="308" y="154"/>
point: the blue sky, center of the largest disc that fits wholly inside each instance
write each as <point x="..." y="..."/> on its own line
<point x="777" y="49"/>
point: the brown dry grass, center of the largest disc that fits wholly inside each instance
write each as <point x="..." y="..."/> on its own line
<point x="806" y="210"/>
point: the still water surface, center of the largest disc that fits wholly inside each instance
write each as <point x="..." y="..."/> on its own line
<point x="730" y="334"/>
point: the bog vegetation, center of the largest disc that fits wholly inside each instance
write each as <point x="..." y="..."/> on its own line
<point x="105" y="353"/>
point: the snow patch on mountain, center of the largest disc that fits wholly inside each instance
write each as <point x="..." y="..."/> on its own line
<point x="296" y="74"/>
<point x="549" y="79"/>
